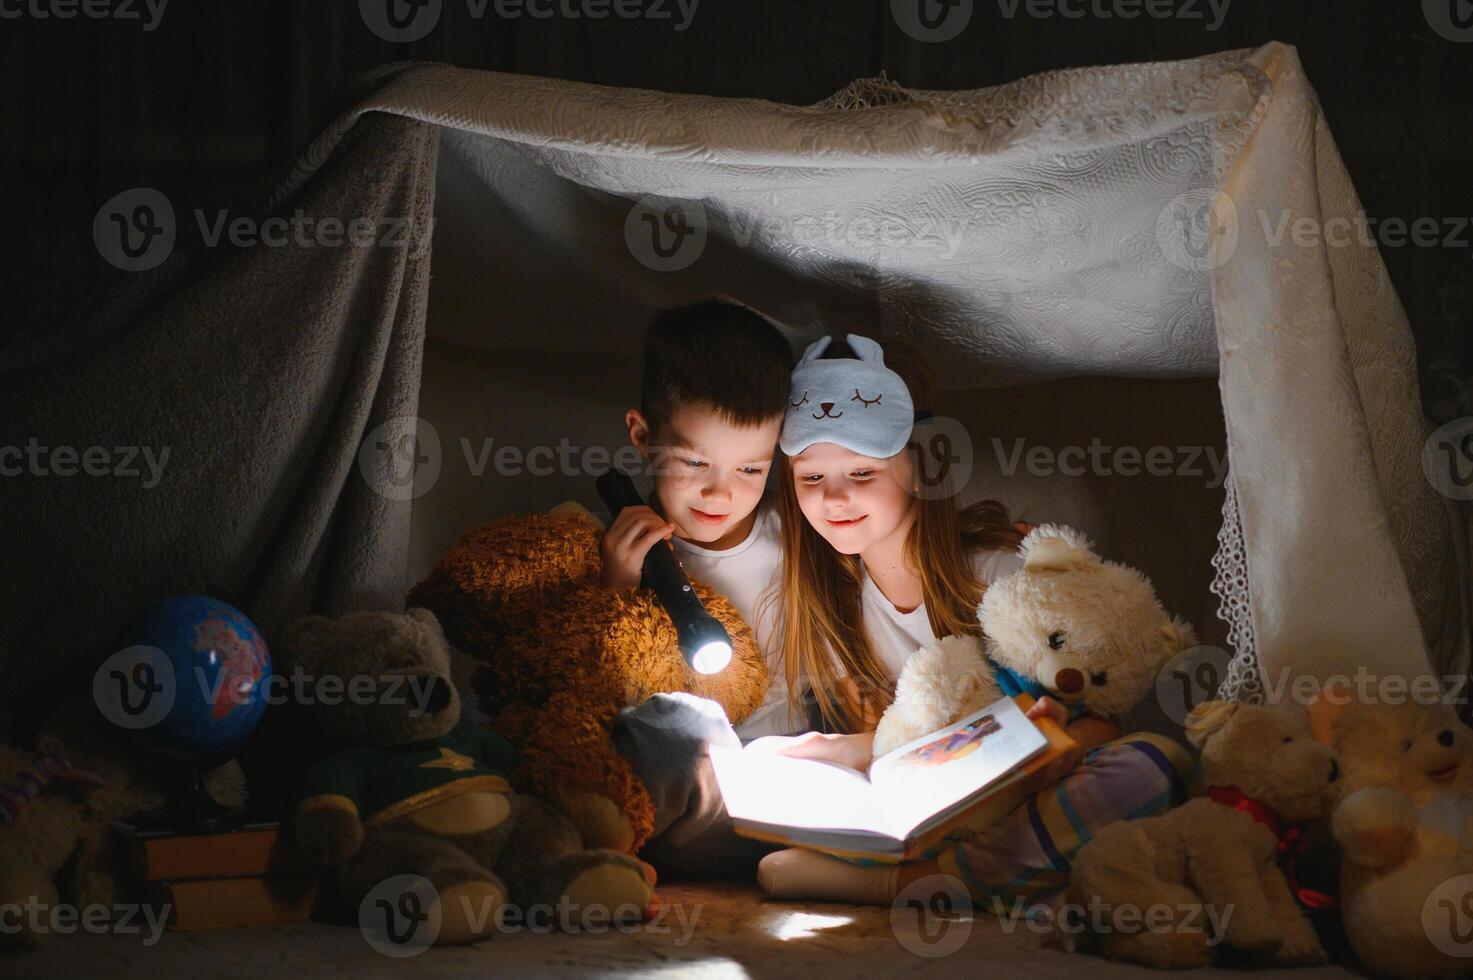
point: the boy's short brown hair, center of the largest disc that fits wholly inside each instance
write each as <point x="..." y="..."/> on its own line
<point x="716" y="354"/>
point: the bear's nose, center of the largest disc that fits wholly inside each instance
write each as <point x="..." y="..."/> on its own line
<point x="826" y="406"/>
<point x="1069" y="680"/>
<point x="1445" y="737"/>
<point x="1334" y="769"/>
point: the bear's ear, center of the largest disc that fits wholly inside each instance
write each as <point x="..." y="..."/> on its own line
<point x="1207" y="719"/>
<point x="301" y="639"/>
<point x="428" y="620"/>
<point x="1178" y="634"/>
<point x="1326" y="708"/>
<point x="1056" y="548"/>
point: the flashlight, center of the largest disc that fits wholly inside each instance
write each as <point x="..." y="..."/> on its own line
<point x="703" y="641"/>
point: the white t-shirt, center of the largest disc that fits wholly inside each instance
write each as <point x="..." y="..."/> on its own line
<point x="745" y="574"/>
<point x="895" y="635"/>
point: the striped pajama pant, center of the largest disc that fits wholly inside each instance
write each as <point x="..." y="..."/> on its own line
<point x="1024" y="858"/>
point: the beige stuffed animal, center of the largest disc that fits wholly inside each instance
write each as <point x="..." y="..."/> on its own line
<point x="1404" y="824"/>
<point x="1212" y="861"/>
<point x="1087" y="632"/>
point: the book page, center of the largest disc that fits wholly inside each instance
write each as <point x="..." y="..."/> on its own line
<point x="766" y="787"/>
<point x="924" y="777"/>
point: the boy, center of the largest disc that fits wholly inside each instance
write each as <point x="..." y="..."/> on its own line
<point x="715" y="388"/>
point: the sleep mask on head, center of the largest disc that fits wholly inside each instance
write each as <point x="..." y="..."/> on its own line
<point x="856" y="402"/>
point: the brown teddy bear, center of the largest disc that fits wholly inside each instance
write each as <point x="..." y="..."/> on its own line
<point x="560" y="655"/>
<point x="57" y="805"/>
<point x="414" y="788"/>
<point x="1404" y="824"/>
<point x="1151" y="888"/>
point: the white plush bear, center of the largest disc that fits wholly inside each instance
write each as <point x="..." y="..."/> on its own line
<point x="1087" y="632"/>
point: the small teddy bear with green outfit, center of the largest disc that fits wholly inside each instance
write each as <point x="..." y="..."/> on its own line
<point x="412" y="787"/>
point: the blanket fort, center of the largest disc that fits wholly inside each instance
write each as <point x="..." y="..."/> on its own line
<point x="1121" y="221"/>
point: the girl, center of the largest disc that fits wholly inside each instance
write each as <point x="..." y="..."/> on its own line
<point x="874" y="570"/>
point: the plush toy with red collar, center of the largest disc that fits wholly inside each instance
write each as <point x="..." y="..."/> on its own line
<point x="1211" y="867"/>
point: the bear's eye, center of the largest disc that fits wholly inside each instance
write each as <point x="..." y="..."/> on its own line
<point x="1100" y="679"/>
<point x="1056" y="641"/>
<point x="1406" y="746"/>
<point x="800" y="404"/>
<point x="1288" y="739"/>
<point x="866" y="402"/>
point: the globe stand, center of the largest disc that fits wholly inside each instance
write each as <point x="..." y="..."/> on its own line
<point x="189" y="809"/>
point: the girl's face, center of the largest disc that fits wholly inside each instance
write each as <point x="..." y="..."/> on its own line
<point x="854" y="501"/>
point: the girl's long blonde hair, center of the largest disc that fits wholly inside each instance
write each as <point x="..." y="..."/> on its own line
<point x="822" y="619"/>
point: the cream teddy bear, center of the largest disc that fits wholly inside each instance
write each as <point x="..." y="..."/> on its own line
<point x="1404" y="824"/>
<point x="1207" y="871"/>
<point x="1087" y="632"/>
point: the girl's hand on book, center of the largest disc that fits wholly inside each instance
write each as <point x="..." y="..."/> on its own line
<point x="854" y="751"/>
<point x="1068" y="761"/>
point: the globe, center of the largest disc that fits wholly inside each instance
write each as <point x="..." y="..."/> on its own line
<point x="189" y="680"/>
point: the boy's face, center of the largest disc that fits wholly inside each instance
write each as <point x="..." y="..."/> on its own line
<point x="709" y="472"/>
<point x="853" y="501"/>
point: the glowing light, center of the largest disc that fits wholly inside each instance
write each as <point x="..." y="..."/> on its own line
<point x="712" y="657"/>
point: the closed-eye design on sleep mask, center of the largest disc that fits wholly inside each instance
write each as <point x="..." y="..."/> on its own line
<point x="855" y="402"/>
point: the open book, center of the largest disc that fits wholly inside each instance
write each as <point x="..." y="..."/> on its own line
<point x="959" y="775"/>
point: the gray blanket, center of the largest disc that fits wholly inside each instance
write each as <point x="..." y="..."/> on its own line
<point x="200" y="428"/>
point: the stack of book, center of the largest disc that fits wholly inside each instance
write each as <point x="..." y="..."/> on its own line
<point x="250" y="875"/>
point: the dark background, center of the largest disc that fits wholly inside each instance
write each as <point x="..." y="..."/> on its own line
<point x="213" y="104"/>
